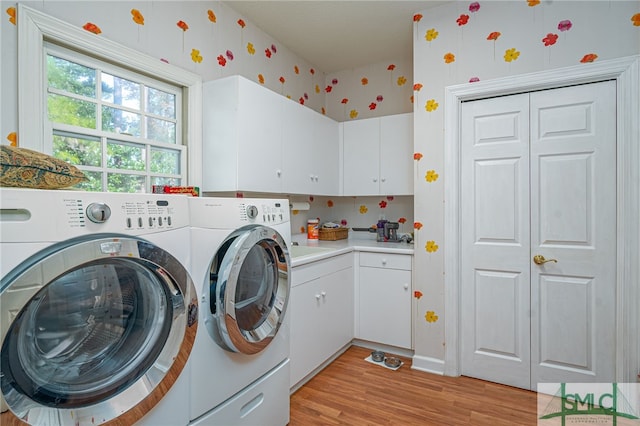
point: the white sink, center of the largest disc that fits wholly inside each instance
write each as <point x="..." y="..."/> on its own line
<point x="299" y="251"/>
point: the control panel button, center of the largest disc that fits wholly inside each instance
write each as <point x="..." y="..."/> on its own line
<point x="252" y="212"/>
<point x="98" y="212"/>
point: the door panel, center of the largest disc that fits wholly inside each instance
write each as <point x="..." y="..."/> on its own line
<point x="564" y="208"/>
<point x="565" y="306"/>
<point x="573" y="220"/>
<point x="496" y="206"/>
<point x="538" y="178"/>
<point x="496" y="296"/>
<point x="495" y="254"/>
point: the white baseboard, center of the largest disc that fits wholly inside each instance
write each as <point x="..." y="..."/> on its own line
<point x="427" y="364"/>
<point x="388" y="349"/>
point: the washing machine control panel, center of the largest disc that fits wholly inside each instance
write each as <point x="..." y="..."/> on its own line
<point x="126" y="212"/>
<point x="268" y="212"/>
<point x="148" y="214"/>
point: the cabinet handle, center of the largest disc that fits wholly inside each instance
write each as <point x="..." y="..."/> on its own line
<point x="406" y="286"/>
<point x="278" y="172"/>
<point x="383" y="179"/>
<point x="317" y="297"/>
<point x="384" y="262"/>
<point x="375" y="179"/>
<point x="316" y="178"/>
<point x="324" y="294"/>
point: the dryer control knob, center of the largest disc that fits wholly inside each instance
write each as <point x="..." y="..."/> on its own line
<point x="98" y="212"/>
<point x="252" y="212"/>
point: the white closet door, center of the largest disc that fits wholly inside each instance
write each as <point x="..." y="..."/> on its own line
<point x="538" y="178"/>
<point x="573" y="220"/>
<point x="495" y="240"/>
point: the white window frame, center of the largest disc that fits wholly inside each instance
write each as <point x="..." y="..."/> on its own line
<point x="34" y="27"/>
<point x="107" y="137"/>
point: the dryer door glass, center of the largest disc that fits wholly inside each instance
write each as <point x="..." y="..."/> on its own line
<point x="249" y="289"/>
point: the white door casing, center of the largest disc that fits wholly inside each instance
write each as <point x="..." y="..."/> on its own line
<point x="538" y="175"/>
<point x="626" y="73"/>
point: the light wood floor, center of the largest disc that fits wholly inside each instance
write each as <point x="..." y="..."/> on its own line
<point x="352" y="391"/>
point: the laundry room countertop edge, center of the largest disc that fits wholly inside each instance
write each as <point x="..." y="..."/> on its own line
<point x="312" y="251"/>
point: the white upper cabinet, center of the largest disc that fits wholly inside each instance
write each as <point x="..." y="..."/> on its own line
<point x="361" y="162"/>
<point x="309" y="151"/>
<point x="396" y="154"/>
<point x="242" y="131"/>
<point x="257" y="140"/>
<point x="378" y="156"/>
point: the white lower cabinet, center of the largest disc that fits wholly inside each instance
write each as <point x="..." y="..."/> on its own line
<point x="384" y="299"/>
<point x="321" y="309"/>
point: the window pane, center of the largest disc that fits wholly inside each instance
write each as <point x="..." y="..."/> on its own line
<point x="120" y="91"/>
<point x="125" y="156"/>
<point x="161" y="103"/>
<point x="93" y="184"/>
<point x="78" y="150"/>
<point x="157" y="180"/>
<point x="125" y="183"/>
<point x="119" y="121"/>
<point x="161" y="130"/>
<point x="166" y="161"/>
<point x="71" y="77"/>
<point x="63" y="109"/>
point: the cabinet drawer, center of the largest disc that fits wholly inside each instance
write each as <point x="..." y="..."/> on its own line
<point x="311" y="271"/>
<point x="386" y="260"/>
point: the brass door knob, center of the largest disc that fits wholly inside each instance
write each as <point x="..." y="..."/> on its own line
<point x="539" y="259"/>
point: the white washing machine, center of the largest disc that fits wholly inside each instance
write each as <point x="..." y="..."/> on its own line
<point x="241" y="269"/>
<point x="98" y="311"/>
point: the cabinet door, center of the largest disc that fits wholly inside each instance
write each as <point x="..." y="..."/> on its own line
<point x="220" y="134"/>
<point x="259" y="138"/>
<point x="297" y="148"/>
<point x="385" y="306"/>
<point x="325" y="156"/>
<point x="396" y="154"/>
<point x="361" y="157"/>
<point x="321" y="321"/>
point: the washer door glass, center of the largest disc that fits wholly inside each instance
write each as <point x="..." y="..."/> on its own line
<point x="249" y="289"/>
<point x="97" y="324"/>
<point x="90" y="332"/>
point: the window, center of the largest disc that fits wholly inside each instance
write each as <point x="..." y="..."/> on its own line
<point x="122" y="129"/>
<point x="127" y="120"/>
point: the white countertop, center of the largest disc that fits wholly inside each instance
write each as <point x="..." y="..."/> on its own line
<point x="314" y="250"/>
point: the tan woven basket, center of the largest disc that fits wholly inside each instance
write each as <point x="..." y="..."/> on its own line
<point x="332" y="234"/>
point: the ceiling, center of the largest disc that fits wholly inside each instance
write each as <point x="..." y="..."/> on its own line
<point x="338" y="35"/>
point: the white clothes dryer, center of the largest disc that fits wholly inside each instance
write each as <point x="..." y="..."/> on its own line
<point x="98" y="311"/>
<point x="241" y="268"/>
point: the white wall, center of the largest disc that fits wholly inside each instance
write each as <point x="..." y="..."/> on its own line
<point x="161" y="38"/>
<point x="603" y="28"/>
